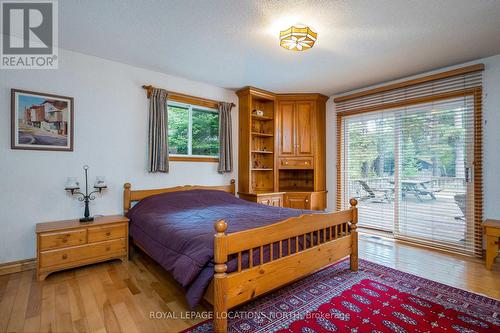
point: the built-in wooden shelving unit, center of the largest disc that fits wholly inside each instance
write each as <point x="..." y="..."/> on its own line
<point x="282" y="148"/>
<point x="257" y="144"/>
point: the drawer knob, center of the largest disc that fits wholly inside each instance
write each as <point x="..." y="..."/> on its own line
<point x="108" y="233"/>
<point x="307" y="200"/>
<point x="306" y="162"/>
<point x="286" y="162"/>
<point x="65" y="256"/>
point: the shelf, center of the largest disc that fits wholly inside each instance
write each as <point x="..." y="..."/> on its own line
<point x="262" y="134"/>
<point x="297" y="189"/>
<point x="262" y="152"/>
<point x="262" y="118"/>
<point x="262" y="169"/>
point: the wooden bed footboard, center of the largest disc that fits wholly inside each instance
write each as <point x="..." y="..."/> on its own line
<point x="295" y="247"/>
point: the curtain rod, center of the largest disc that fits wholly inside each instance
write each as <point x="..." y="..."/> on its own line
<point x="149" y="90"/>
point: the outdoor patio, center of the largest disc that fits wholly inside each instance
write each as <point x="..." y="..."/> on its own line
<point x="434" y="220"/>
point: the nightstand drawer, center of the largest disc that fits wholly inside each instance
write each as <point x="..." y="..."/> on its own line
<point x="98" y="234"/>
<point x="62" y="239"/>
<point x="81" y="253"/>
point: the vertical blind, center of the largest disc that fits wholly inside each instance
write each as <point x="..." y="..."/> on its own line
<point x="412" y="157"/>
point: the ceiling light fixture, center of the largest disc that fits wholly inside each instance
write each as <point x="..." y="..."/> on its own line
<point x="298" y="38"/>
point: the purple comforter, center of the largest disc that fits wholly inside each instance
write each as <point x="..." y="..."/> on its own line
<point x="177" y="230"/>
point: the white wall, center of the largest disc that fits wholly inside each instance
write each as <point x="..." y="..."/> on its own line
<point x="491" y="115"/>
<point x="110" y="136"/>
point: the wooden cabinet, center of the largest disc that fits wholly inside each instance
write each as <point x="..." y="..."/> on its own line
<point x="492" y="231"/>
<point x="274" y="199"/>
<point x="282" y="150"/>
<point x="304" y="131"/>
<point x="286" y="128"/>
<point x="298" y="200"/>
<point x="301" y="161"/>
<point x="67" y="244"/>
<point x="296" y="133"/>
<point x="305" y="200"/>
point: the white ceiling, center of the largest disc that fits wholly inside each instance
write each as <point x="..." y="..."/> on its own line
<point x="233" y="43"/>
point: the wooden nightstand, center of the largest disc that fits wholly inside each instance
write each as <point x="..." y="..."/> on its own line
<point x="270" y="199"/>
<point x="492" y="231"/>
<point x="68" y="244"/>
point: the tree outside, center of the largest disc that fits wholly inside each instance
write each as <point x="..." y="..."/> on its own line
<point x="205" y="131"/>
<point x="431" y="144"/>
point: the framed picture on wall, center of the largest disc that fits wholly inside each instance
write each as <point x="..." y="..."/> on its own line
<point x="41" y="121"/>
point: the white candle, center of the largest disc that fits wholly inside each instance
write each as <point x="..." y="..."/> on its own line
<point x="72" y="183"/>
<point x="100" y="182"/>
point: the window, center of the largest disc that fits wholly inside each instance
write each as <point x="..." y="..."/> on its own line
<point x="193" y="131"/>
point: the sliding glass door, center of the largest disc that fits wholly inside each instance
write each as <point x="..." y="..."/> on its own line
<point x="411" y="170"/>
<point x="369" y="151"/>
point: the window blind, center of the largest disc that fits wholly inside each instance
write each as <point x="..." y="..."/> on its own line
<point x="412" y="156"/>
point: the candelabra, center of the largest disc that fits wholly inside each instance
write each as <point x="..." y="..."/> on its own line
<point x="73" y="186"/>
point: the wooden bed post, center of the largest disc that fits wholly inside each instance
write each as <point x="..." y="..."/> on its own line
<point x="354" y="235"/>
<point x="232" y="184"/>
<point x="126" y="197"/>
<point x="220" y="268"/>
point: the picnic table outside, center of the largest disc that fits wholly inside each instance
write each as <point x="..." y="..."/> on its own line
<point x="381" y="193"/>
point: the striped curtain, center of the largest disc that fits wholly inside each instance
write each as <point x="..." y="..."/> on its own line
<point x="158" y="131"/>
<point x="225" y="137"/>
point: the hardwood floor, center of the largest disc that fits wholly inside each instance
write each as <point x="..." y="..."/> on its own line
<point x="453" y="270"/>
<point x="119" y="297"/>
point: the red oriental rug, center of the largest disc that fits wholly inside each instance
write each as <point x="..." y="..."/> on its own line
<point x="374" y="299"/>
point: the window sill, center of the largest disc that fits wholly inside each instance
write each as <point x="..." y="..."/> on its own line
<point x="193" y="159"/>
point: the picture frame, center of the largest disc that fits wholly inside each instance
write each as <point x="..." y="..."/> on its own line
<point x="41" y="121"/>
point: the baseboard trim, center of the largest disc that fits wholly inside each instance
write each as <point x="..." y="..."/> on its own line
<point x="17" y="266"/>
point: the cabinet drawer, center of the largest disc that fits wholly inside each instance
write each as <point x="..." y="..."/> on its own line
<point x="61" y="239"/>
<point x="296" y="163"/>
<point x="81" y="253"/>
<point x="99" y="234"/>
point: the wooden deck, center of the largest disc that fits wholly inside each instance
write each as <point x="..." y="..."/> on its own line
<point x="427" y="219"/>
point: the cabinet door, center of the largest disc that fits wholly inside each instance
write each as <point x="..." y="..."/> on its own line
<point x="298" y="200"/>
<point x="286" y="123"/>
<point x="304" y="131"/>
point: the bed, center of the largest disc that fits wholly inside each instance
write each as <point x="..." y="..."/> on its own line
<point x="229" y="251"/>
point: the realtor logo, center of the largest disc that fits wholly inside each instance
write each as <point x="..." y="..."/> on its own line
<point x="29" y="35"/>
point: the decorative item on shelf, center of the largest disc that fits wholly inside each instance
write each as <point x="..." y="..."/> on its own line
<point x="258" y="113"/>
<point x="73" y="186"/>
<point x="298" y="38"/>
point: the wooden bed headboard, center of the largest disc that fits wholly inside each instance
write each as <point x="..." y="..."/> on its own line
<point x="130" y="196"/>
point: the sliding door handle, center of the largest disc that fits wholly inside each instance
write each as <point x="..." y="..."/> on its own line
<point x="468" y="174"/>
